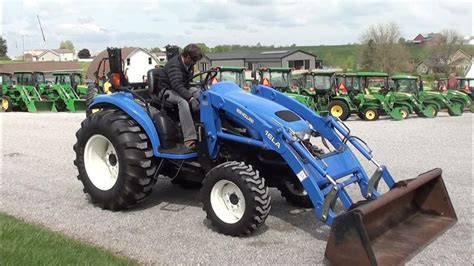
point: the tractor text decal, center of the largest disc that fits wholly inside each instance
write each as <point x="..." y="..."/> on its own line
<point x="272" y="138"/>
<point x="246" y="116"/>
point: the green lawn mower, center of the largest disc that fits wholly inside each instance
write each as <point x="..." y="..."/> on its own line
<point x="25" y="94"/>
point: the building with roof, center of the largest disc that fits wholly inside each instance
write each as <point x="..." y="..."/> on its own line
<point x="137" y="62"/>
<point x="44" y="55"/>
<point x="425" y="38"/>
<point x="296" y="59"/>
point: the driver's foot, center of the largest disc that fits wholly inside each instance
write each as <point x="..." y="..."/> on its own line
<point x="190" y="144"/>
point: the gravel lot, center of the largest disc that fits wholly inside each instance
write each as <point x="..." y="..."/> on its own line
<point x="39" y="185"/>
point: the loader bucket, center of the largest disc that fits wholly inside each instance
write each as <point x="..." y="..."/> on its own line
<point x="456" y="109"/>
<point x="393" y="228"/>
<point x="40" y="106"/>
<point x="396" y="113"/>
<point x="428" y="111"/>
<point x="75" y="105"/>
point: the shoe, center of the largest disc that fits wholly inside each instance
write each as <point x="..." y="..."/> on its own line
<point x="190" y="144"/>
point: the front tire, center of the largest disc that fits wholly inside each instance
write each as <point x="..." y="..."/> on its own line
<point x="235" y="198"/>
<point x="92" y="91"/>
<point x="7" y="104"/>
<point x="115" y="160"/>
<point x="371" y="114"/>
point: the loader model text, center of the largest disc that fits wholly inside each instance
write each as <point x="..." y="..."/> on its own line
<point x="246" y="116"/>
<point x="272" y="138"/>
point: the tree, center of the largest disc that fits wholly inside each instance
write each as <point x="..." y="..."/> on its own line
<point x="204" y="48"/>
<point x="84" y="54"/>
<point x="386" y="52"/>
<point x="155" y="50"/>
<point x="441" y="50"/>
<point x="366" y="60"/>
<point x="3" y="48"/>
<point x="66" y="45"/>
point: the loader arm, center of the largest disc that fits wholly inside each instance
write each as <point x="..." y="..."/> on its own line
<point x="326" y="178"/>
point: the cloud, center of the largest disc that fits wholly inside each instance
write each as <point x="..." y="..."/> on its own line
<point x="80" y="28"/>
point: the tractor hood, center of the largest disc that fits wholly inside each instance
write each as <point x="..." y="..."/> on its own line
<point x="274" y="114"/>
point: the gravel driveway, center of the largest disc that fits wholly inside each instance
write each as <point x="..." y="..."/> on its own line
<point x="39" y="185"/>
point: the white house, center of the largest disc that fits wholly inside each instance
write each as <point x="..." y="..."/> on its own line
<point x="43" y="55"/>
<point x="137" y="62"/>
<point x="65" y="54"/>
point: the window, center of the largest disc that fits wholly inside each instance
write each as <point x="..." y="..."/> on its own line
<point x="249" y="66"/>
<point x="204" y="66"/>
<point x="149" y="60"/>
<point x="128" y="61"/>
<point x="296" y="64"/>
<point x="306" y="64"/>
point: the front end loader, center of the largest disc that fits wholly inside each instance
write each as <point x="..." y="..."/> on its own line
<point x="64" y="95"/>
<point x="26" y="94"/>
<point x="247" y="142"/>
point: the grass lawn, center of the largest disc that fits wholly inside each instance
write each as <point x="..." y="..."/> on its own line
<point x="27" y="244"/>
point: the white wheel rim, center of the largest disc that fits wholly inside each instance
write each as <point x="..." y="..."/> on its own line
<point x="101" y="162"/>
<point x="227" y="201"/>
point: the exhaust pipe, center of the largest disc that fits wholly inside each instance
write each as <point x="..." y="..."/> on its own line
<point x="393" y="228"/>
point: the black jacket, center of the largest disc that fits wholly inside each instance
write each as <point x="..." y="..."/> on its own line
<point x="175" y="75"/>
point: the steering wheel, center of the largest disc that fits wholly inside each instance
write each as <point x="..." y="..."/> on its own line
<point x="208" y="76"/>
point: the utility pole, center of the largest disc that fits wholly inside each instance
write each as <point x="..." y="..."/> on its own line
<point x="44" y="40"/>
<point x="23" y="40"/>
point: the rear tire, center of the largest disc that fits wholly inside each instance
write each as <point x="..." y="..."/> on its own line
<point x="339" y="109"/>
<point x="293" y="191"/>
<point x="60" y="105"/>
<point x="235" y="198"/>
<point x="7" y="104"/>
<point x="92" y="91"/>
<point x="115" y="160"/>
<point x="454" y="114"/>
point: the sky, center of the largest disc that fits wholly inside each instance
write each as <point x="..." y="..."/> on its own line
<point x="155" y="23"/>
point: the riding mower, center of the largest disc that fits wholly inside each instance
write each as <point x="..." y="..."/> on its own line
<point x="280" y="78"/>
<point x="426" y="103"/>
<point x="329" y="97"/>
<point x="25" y="94"/>
<point x="460" y="93"/>
<point x="246" y="143"/>
<point x="63" y="94"/>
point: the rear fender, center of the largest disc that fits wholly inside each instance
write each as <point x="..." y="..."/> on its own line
<point x="124" y="101"/>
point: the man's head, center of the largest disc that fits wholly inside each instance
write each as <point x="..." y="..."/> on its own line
<point x="191" y="54"/>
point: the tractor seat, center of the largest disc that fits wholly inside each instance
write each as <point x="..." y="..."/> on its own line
<point x="154" y="90"/>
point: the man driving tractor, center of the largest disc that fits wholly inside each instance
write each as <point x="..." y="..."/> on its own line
<point x="173" y="81"/>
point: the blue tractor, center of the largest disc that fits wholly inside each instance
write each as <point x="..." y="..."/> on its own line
<point x="247" y="143"/>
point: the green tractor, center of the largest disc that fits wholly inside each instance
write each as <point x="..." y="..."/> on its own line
<point x="329" y="98"/>
<point x="281" y="79"/>
<point x="460" y="92"/>
<point x="425" y="103"/>
<point x="64" y="92"/>
<point x="25" y="94"/>
<point x="74" y="80"/>
<point x="234" y="74"/>
<point x="6" y="80"/>
<point x="364" y="89"/>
